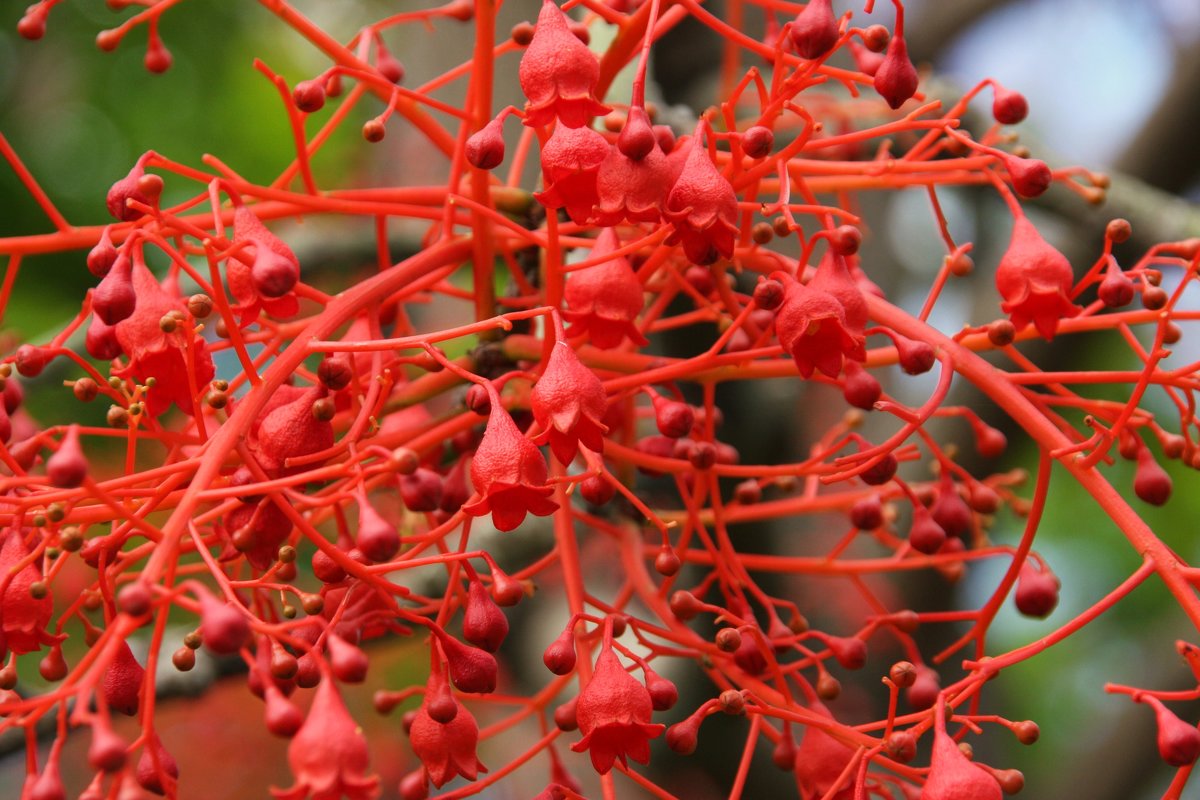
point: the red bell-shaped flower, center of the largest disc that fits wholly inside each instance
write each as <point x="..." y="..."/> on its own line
<point x="703" y="207"/>
<point x="568" y="402"/>
<point x="329" y="755"/>
<point x="559" y="74"/>
<point x="631" y="190"/>
<point x="510" y="472"/>
<point x="23" y="617"/>
<point x="821" y="760"/>
<point x="1035" y="281"/>
<point x="163" y="356"/>
<point x="812" y="328"/>
<point x="613" y="712"/>
<point x="446" y="749"/>
<point x="290" y="431"/>
<point x="571" y="160"/>
<point x="952" y="776"/>
<point x="604" y="300"/>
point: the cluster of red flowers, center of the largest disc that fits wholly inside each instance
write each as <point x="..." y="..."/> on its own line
<point x="294" y="504"/>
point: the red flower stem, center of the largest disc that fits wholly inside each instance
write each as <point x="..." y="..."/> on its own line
<point x="420" y="270"/>
<point x="436" y="134"/>
<point x="35" y="190"/>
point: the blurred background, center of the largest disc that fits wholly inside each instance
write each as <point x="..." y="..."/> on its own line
<point x="1112" y="85"/>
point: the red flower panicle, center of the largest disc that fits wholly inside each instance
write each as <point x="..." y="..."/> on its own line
<point x="604" y="300"/>
<point x="613" y="712"/>
<point x="1035" y="281"/>
<point x="568" y="402"/>
<point x="558" y="74"/>
<point x="509" y="472"/>
<point x="329" y="755"/>
<point x="570" y="162"/>
<point x="164" y="355"/>
<point x="703" y="207"/>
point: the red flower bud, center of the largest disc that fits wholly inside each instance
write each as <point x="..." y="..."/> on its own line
<point x="484" y="624"/>
<point x="637" y="139"/>
<point x="67" y="468"/>
<point x="896" y="79"/>
<point x="923" y="692"/>
<point x="124" y="190"/>
<point x="1008" y="107"/>
<point x="108" y="751"/>
<point x="223" y="628"/>
<point x="1151" y="483"/>
<point x="101" y="340"/>
<point x="149" y="776"/>
<point x="814" y="32"/>
<point x="1030" y="177"/>
<point x="114" y="298"/>
<point x="950" y="510"/>
<point x="349" y="663"/>
<point x="925" y="534"/>
<point x="309" y="96"/>
<point x="1178" y="742"/>
<point x="559" y="657"/>
<point x="471" y="670"/>
<point x="282" y="716"/>
<point x="121" y="683"/>
<point x="673" y="418"/>
<point x="485" y="148"/>
<point x="860" y="388"/>
<point x="377" y="538"/>
<point x="1037" y="591"/>
<point x="867" y="514"/>
<point x="100" y="259"/>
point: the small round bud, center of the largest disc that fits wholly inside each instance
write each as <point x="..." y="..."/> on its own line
<point x="85" y="390"/>
<point x="522" y="33"/>
<point x="903" y="674"/>
<point x="373" y="131"/>
<point x="732" y="702"/>
<point x="1027" y="731"/>
<point x="728" y="640"/>
<point x="1001" y="332"/>
<point x="757" y="141"/>
<point x="200" y="306"/>
<point x="768" y="294"/>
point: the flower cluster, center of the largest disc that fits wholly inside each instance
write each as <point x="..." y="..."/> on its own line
<point x="314" y="460"/>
